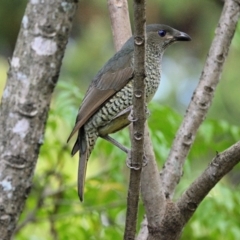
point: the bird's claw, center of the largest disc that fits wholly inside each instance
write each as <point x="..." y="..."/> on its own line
<point x="130" y="117"/>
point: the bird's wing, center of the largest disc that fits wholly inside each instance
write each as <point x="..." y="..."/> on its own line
<point x="99" y="92"/>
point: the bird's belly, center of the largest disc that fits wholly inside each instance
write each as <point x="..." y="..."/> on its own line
<point x="116" y="124"/>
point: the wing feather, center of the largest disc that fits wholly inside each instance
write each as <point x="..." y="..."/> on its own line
<point x="107" y="86"/>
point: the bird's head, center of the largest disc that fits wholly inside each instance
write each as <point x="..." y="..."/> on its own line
<point x="161" y="36"/>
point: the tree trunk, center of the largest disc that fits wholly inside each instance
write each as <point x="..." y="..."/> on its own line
<point x="33" y="74"/>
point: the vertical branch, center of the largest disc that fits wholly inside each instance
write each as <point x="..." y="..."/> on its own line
<point x="139" y="117"/>
<point x="151" y="186"/>
<point x="33" y="74"/>
<point x="120" y="22"/>
<point x="202" y="97"/>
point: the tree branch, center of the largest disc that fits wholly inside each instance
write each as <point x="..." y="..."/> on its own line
<point x="202" y="96"/>
<point x="153" y="197"/>
<point x="152" y="194"/>
<point x="218" y="168"/>
<point x="33" y="73"/>
<point x="177" y="214"/>
<point x="139" y="113"/>
<point x="120" y="22"/>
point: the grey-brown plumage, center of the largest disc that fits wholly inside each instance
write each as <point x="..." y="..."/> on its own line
<point x="107" y="103"/>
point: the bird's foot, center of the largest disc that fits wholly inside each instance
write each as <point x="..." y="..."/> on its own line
<point x="135" y="166"/>
<point x="132" y="119"/>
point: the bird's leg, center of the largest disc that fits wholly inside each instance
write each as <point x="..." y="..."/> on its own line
<point x="116" y="143"/>
<point x="128" y="111"/>
<point x="132" y="119"/>
<point x="126" y="150"/>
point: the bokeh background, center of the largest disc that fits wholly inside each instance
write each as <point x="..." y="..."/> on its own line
<point x="53" y="210"/>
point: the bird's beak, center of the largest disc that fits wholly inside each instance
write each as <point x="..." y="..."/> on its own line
<point x="181" y="36"/>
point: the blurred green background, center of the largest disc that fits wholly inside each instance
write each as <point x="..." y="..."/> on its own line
<point x="53" y="210"/>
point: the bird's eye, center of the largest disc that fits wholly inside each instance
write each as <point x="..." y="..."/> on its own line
<point x="162" y="33"/>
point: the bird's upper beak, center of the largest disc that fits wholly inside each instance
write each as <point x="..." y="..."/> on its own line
<point x="181" y="36"/>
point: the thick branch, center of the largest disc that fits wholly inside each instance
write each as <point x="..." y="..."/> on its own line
<point x="202" y="96"/>
<point x="177" y="214"/>
<point x="34" y="70"/>
<point x="152" y="194"/>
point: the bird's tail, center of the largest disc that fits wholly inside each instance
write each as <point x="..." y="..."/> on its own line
<point x="85" y="143"/>
<point x="82" y="168"/>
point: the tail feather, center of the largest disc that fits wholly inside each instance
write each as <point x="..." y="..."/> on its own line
<point x="84" y="144"/>
<point x="82" y="168"/>
<point x="76" y="147"/>
<point x="81" y="145"/>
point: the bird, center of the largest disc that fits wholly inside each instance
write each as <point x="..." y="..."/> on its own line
<point x="107" y="104"/>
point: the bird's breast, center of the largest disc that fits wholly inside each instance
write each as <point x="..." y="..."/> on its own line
<point x="153" y="75"/>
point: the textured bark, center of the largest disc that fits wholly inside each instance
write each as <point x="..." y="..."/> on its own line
<point x="33" y="73"/>
<point x="151" y="187"/>
<point x="202" y="97"/>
